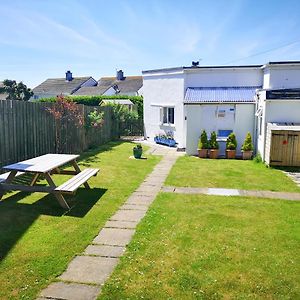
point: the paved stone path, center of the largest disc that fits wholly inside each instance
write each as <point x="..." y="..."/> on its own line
<point x="232" y="192"/>
<point x="295" y="176"/>
<point x="88" y="271"/>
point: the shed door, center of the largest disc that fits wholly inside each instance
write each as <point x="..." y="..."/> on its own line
<point x="285" y="148"/>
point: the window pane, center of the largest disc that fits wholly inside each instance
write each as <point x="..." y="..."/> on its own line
<point x="165" y="115"/>
<point x="171" y="115"/>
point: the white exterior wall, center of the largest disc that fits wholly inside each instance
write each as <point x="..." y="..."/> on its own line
<point x="223" y="77"/>
<point x="277" y="111"/>
<point x="165" y="89"/>
<point x="203" y="117"/>
<point x="282" y="78"/>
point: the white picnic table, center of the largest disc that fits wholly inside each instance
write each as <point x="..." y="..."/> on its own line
<point x="47" y="165"/>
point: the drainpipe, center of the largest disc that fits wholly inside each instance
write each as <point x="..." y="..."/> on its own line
<point x="255" y="135"/>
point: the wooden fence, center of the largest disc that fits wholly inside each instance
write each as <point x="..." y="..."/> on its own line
<point x="27" y="130"/>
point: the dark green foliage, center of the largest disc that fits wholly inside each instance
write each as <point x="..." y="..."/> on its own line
<point x="231" y="142"/>
<point x="203" y="141"/>
<point x="213" y="144"/>
<point x="96" y="100"/>
<point x="16" y="91"/>
<point x="258" y="159"/>
<point x="247" y="146"/>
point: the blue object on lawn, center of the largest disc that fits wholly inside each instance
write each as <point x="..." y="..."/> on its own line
<point x="164" y="141"/>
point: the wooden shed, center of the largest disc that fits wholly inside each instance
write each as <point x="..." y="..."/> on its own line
<point x="283" y="144"/>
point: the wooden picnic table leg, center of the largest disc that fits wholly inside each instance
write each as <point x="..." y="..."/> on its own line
<point x="35" y="178"/>
<point x="60" y="198"/>
<point x="9" y="179"/>
<point x="77" y="169"/>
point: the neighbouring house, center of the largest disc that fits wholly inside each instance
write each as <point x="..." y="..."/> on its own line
<point x="187" y="100"/>
<point x="119" y="85"/>
<point x="62" y="86"/>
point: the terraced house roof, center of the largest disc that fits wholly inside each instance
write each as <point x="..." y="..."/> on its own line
<point x="60" y="85"/>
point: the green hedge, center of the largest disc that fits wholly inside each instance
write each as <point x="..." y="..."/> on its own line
<point x="95" y="100"/>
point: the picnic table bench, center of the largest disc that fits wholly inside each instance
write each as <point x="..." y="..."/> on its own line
<point x="47" y="165"/>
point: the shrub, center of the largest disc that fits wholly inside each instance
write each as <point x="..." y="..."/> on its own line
<point x="247" y="146"/>
<point x="95" y="119"/>
<point x="231" y="142"/>
<point x="258" y="159"/>
<point x="203" y="141"/>
<point x="213" y="144"/>
<point x="96" y="100"/>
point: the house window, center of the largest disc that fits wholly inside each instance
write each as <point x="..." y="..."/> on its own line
<point x="167" y="116"/>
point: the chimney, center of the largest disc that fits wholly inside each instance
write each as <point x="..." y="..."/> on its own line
<point x="120" y="75"/>
<point x="69" y="76"/>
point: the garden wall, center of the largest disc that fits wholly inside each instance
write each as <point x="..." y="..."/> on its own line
<point x="27" y="130"/>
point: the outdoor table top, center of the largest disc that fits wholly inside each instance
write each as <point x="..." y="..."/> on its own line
<point x="42" y="164"/>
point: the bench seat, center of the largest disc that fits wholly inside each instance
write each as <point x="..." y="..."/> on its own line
<point x="4" y="176"/>
<point x="75" y="182"/>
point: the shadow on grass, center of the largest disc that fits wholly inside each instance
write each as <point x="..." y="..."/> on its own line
<point x="287" y="169"/>
<point x="16" y="218"/>
<point x="90" y="157"/>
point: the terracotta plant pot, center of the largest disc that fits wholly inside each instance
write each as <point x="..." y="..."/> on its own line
<point x="230" y="154"/>
<point x="247" y="154"/>
<point x="202" y="153"/>
<point x="214" y="153"/>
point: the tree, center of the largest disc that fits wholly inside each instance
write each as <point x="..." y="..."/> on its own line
<point x="64" y="112"/>
<point x="16" y="91"/>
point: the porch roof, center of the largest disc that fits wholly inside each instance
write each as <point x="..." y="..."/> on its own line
<point x="244" y="94"/>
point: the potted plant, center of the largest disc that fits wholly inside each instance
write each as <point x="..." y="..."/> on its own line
<point x="137" y="151"/>
<point x="231" y="145"/>
<point x="247" y="148"/>
<point x="213" y="146"/>
<point x="203" y="145"/>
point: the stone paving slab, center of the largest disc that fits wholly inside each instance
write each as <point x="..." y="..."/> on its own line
<point x="233" y="192"/>
<point x="89" y="269"/>
<point x="70" y="291"/>
<point x="155" y="181"/>
<point x="190" y="190"/>
<point x="148" y="189"/>
<point x="223" y="192"/>
<point x="128" y="215"/>
<point x="104" y="250"/>
<point x="121" y="224"/>
<point x="150" y="194"/>
<point x="114" y="236"/>
<point x="129" y="206"/>
<point x="140" y="200"/>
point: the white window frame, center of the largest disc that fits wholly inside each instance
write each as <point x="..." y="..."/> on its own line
<point x="164" y="109"/>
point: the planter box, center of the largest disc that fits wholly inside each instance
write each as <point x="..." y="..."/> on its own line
<point x="230" y="154"/>
<point x="247" y="154"/>
<point x="213" y="153"/>
<point x="202" y="153"/>
<point x="163" y="141"/>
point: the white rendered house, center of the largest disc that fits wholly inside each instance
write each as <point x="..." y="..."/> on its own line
<point x="186" y="100"/>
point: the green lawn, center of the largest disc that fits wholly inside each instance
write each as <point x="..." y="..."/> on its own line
<point x="212" y="247"/>
<point x="191" y="171"/>
<point x="38" y="239"/>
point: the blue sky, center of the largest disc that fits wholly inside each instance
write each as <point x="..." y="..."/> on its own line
<point x="42" y="39"/>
